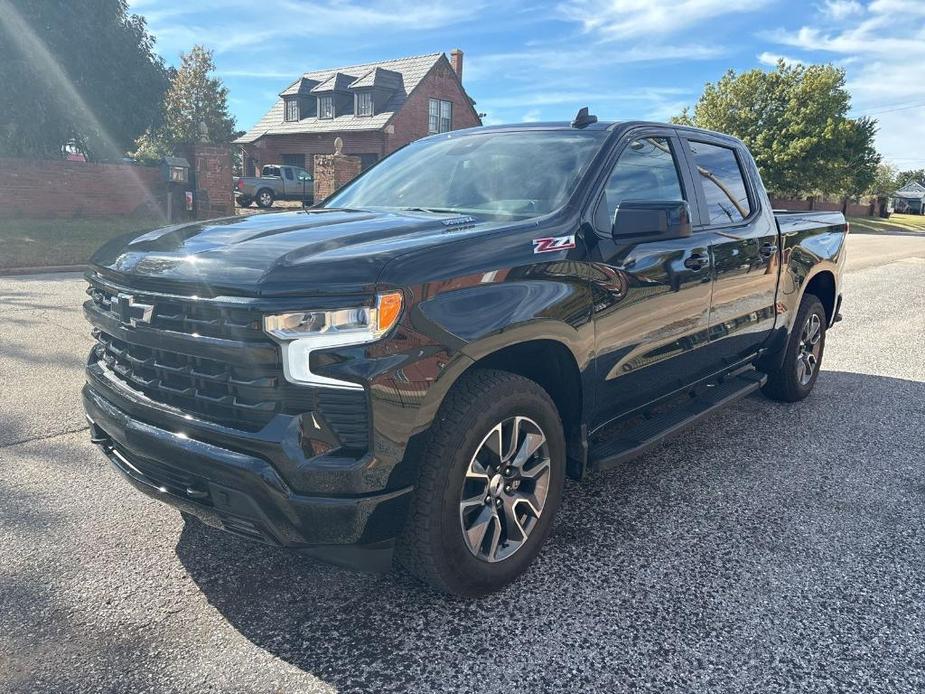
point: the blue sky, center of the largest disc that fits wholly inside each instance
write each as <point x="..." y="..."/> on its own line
<point x="529" y="61"/>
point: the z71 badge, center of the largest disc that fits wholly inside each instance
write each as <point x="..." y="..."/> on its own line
<point x="553" y="243"/>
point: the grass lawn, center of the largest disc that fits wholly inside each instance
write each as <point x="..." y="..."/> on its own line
<point x="896" y="222"/>
<point x="43" y="242"/>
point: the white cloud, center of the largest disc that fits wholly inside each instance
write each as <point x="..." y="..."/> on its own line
<point x="531" y="116"/>
<point x="768" y="58"/>
<point x="623" y="19"/>
<point x="842" y="9"/>
<point x="877" y="52"/>
<point x="229" y="25"/>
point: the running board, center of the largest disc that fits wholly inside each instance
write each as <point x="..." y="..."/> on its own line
<point x="636" y="440"/>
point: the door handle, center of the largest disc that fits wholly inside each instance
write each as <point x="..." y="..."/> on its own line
<point x="767" y="250"/>
<point x="696" y="261"/>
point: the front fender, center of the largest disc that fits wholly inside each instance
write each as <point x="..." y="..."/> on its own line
<point x="442" y="335"/>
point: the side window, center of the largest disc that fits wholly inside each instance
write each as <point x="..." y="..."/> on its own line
<point x="723" y="183"/>
<point x="288" y="173"/>
<point x="645" y="171"/>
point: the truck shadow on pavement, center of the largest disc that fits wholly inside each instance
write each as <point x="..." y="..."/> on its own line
<point x="724" y="552"/>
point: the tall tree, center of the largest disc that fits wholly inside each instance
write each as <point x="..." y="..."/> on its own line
<point x="795" y="121"/>
<point x="917" y="175"/>
<point x="75" y="74"/>
<point x="886" y="181"/>
<point x="195" y="108"/>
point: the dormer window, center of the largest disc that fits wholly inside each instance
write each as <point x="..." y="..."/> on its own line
<point x="292" y="109"/>
<point x="326" y="106"/>
<point x="364" y="105"/>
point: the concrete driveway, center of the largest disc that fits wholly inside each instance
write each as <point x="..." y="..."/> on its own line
<point x="772" y="548"/>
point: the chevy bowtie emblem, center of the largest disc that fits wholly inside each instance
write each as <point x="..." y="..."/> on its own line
<point x="124" y="306"/>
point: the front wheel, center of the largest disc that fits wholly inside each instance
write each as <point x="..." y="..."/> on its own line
<point x="489" y="485"/>
<point x="795" y="378"/>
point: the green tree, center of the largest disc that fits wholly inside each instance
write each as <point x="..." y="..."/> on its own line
<point x="794" y="119"/>
<point x="195" y="109"/>
<point x="917" y="175"/>
<point x="887" y="179"/>
<point x="74" y="74"/>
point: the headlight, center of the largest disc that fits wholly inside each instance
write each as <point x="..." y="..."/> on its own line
<point x="303" y="332"/>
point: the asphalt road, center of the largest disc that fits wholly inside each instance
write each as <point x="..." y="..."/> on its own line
<point x="772" y="548"/>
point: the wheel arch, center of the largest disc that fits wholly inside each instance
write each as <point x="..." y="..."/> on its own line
<point x="823" y="286"/>
<point x="553" y="365"/>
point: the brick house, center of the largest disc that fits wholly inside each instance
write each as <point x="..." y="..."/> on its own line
<point x="374" y="108"/>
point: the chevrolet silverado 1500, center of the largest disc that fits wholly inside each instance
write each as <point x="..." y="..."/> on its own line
<point x="409" y="371"/>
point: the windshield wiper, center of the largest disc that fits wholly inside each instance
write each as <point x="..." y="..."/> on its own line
<point x="433" y="210"/>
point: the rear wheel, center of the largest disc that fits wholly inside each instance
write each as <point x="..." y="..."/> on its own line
<point x="795" y="379"/>
<point x="489" y="485"/>
<point x="264" y="198"/>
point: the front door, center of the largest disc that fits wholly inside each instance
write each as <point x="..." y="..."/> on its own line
<point x="743" y="243"/>
<point x="651" y="300"/>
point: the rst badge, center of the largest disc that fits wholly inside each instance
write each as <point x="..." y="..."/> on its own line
<point x="553" y="243"/>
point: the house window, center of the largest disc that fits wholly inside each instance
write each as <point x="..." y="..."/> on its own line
<point x="293" y="160"/>
<point x="292" y="109"/>
<point x="364" y="104"/>
<point x="439" y="116"/>
<point x="325" y="106"/>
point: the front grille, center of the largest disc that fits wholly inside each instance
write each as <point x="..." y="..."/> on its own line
<point x="189" y="317"/>
<point x="244" y="396"/>
<point x="232" y="391"/>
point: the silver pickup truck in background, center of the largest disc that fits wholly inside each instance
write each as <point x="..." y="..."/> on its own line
<point x="276" y="182"/>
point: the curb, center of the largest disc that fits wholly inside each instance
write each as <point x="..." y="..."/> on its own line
<point x="42" y="270"/>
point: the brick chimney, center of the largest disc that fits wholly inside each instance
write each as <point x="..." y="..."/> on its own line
<point x="456" y="58"/>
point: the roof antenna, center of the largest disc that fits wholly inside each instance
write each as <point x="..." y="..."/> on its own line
<point x="583" y="118"/>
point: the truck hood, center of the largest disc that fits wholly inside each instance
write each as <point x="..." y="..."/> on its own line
<point x="325" y="251"/>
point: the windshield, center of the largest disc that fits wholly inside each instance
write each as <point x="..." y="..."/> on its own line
<point x="501" y="174"/>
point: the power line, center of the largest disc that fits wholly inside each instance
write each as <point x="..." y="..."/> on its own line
<point x="898" y="108"/>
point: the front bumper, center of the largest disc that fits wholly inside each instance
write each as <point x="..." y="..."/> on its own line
<point x="243" y="493"/>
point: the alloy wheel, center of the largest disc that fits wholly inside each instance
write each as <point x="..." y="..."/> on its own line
<point x="505" y="489"/>
<point x="810" y="347"/>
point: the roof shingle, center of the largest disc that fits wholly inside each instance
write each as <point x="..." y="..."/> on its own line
<point x="408" y="73"/>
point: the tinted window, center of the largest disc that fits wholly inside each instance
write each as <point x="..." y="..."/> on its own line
<point x="723" y="183"/>
<point x="646" y="170"/>
<point x="288" y="174"/>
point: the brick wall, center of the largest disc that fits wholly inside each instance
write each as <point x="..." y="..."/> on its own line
<point x="410" y="123"/>
<point x="50" y="189"/>
<point x="860" y="209"/>
<point x="211" y="166"/>
<point x="333" y="171"/>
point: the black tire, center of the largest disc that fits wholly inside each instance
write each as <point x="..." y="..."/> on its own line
<point x="244" y="202"/>
<point x="791" y="383"/>
<point x="433" y="546"/>
<point x="264" y="198"/>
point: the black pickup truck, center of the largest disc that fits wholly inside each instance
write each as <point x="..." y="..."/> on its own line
<point x="408" y="371"/>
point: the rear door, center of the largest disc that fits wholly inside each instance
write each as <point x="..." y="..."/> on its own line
<point x="743" y="245"/>
<point x="651" y="300"/>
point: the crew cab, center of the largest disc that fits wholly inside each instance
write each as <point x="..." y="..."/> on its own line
<point x="408" y="372"/>
<point x="276" y="182"/>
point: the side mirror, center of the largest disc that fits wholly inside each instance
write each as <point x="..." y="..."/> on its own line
<point x="639" y="221"/>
